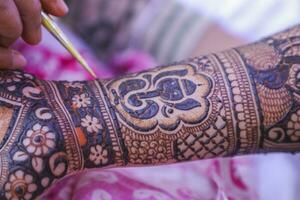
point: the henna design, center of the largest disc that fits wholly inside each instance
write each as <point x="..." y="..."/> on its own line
<point x="161" y="99"/>
<point x="49" y="130"/>
<point x="277" y="88"/>
<point x="30" y="137"/>
<point x="240" y="101"/>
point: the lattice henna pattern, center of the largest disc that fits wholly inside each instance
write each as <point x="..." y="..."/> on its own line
<point x="240" y="101"/>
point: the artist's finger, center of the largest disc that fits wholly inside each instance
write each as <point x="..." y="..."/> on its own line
<point x="55" y="7"/>
<point x="11" y="59"/>
<point x="30" y="12"/>
<point x="10" y="23"/>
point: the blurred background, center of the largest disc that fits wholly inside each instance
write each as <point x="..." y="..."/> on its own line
<point x="122" y="36"/>
<point x="176" y="29"/>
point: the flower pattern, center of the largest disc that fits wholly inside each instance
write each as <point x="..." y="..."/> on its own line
<point x="81" y="100"/>
<point x="20" y="186"/>
<point x="91" y="124"/>
<point x="39" y="140"/>
<point x="98" y="155"/>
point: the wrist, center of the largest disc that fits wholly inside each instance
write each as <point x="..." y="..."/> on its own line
<point x="92" y="122"/>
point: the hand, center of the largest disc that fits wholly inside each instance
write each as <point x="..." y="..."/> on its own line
<point x="22" y="18"/>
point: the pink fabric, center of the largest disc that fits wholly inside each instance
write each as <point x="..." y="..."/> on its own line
<point x="216" y="179"/>
<point x="202" y="180"/>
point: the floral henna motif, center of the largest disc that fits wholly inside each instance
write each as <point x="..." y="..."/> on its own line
<point x="20" y="186"/>
<point x="91" y="124"/>
<point x="39" y="140"/>
<point x="98" y="155"/>
<point x="81" y="100"/>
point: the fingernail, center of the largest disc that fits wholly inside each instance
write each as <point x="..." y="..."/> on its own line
<point x="64" y="8"/>
<point x="18" y="59"/>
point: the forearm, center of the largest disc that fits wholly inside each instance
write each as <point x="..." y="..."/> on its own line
<point x="240" y="101"/>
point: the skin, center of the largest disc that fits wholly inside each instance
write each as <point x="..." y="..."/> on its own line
<point x="19" y="18"/>
<point x="241" y="101"/>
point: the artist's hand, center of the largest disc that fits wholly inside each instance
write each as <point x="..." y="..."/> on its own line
<point x="22" y="18"/>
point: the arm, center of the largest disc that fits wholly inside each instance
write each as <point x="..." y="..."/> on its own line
<point x="240" y="101"/>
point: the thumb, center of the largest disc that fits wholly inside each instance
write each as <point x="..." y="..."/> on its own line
<point x="11" y="59"/>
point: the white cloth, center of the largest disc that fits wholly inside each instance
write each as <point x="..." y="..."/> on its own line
<point x="251" y="19"/>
